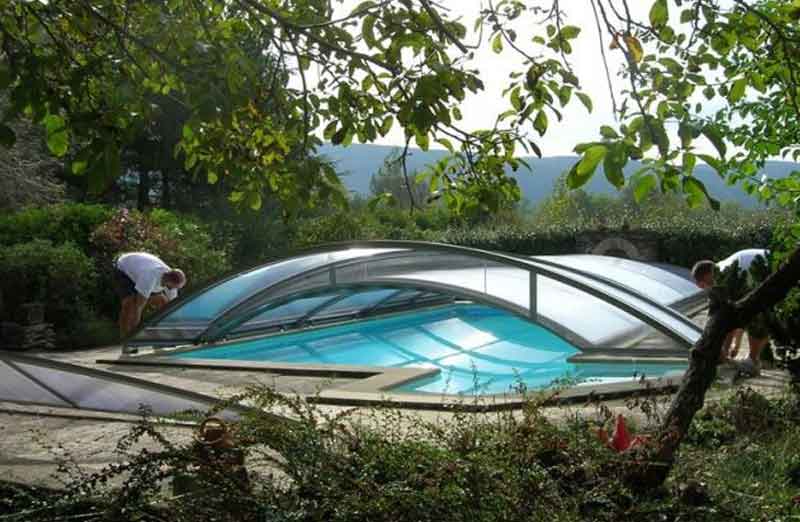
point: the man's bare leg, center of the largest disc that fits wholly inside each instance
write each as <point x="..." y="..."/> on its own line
<point x="127" y="314"/>
<point x="731" y="345"/>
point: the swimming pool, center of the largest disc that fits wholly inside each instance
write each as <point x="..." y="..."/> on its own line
<point x="477" y="350"/>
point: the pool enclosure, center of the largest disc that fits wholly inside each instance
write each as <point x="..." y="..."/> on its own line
<point x="597" y="304"/>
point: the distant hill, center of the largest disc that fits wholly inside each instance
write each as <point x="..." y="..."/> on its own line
<point x="359" y="162"/>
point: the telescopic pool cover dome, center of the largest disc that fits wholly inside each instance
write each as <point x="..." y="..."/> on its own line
<point x="594" y="302"/>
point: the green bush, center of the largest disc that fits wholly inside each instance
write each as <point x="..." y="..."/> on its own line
<point x="683" y="237"/>
<point x="384" y="464"/>
<point x="57" y="223"/>
<point x="60" y="276"/>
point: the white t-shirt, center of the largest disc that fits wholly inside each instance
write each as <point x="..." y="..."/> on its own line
<point x="146" y="270"/>
<point x="744" y="257"/>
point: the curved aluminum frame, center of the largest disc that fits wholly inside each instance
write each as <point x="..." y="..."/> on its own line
<point x="603" y="288"/>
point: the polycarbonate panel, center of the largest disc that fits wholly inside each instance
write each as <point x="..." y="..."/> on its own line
<point x="285" y="313"/>
<point x="671" y="320"/>
<point x="94" y="393"/>
<point x="495" y="280"/>
<point x="593" y="319"/>
<point x="402" y="296"/>
<point x="15" y="387"/>
<point x="355" y="303"/>
<point x="656" y="283"/>
<point x="208" y="305"/>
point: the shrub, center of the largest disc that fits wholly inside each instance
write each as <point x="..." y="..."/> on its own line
<point x="57" y="223"/>
<point x="60" y="276"/>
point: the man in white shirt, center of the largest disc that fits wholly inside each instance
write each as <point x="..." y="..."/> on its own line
<point x="141" y="279"/>
<point x="757" y="335"/>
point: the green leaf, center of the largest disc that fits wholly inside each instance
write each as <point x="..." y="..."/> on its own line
<point x="582" y="171"/>
<point x="591" y="158"/>
<point x="737" y="90"/>
<point x="659" y="13"/>
<point x="446" y="144"/>
<point x="713" y="163"/>
<point x="613" y="164"/>
<point x="81" y="161"/>
<point x="57" y="135"/>
<point x="535" y="148"/>
<point x="212" y="177"/>
<point x="696" y="193"/>
<point x="253" y="200"/>
<point x="689" y="161"/>
<point x="540" y="123"/>
<point x="587" y="102"/>
<point x="564" y="94"/>
<point x="497" y="43"/>
<point x="715" y="137"/>
<point x="516" y="101"/>
<point x="757" y="81"/>
<point x="330" y="130"/>
<point x="339" y="136"/>
<point x="568" y="32"/>
<point x="634" y="48"/>
<point x="608" y="133"/>
<point x="368" y="31"/>
<point x="188" y="134"/>
<point x="7" y="136"/>
<point x="422" y="140"/>
<point x="642" y="186"/>
<point x="386" y="126"/>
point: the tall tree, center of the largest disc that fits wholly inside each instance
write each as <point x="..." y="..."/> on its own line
<point x="394" y="182"/>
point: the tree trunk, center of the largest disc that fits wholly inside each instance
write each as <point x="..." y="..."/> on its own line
<point x="723" y="317"/>
<point x="166" y="195"/>
<point x="143" y="194"/>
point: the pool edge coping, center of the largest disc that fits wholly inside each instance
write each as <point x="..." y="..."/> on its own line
<point x="372" y="385"/>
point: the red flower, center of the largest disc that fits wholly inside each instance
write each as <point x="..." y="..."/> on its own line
<point x="622" y="439"/>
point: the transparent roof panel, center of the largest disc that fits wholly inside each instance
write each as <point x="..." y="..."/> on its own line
<point x="657" y="283"/>
<point x="215" y="300"/>
<point x="572" y="312"/>
<point x="286" y="313"/>
<point x="16" y="387"/>
<point x="355" y="303"/>
<point x="671" y="320"/>
<point x="28" y="379"/>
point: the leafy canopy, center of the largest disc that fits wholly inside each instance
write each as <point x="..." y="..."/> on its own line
<point x="262" y="80"/>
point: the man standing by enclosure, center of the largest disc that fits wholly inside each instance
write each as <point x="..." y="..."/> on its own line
<point x="757" y="335"/>
<point x="141" y="279"/>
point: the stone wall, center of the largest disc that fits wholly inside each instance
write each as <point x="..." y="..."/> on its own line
<point x="620" y="244"/>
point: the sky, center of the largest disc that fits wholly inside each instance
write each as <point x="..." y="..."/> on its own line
<point x="577" y="125"/>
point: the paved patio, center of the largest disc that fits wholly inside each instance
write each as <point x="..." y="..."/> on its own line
<point x="36" y="439"/>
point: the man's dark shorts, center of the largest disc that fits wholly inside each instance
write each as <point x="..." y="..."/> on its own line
<point x="123" y="285"/>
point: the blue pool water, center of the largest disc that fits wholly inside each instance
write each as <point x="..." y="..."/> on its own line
<point x="478" y="350"/>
